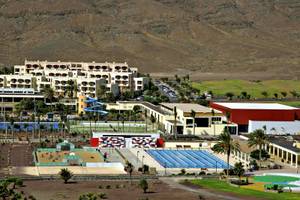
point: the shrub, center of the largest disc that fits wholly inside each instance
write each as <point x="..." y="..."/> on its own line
<point x="202" y="173"/>
<point x="182" y="172"/>
<point x="108" y="187"/>
<point x="144" y="185"/>
<point x="239" y="182"/>
<point x="200" y="197"/>
<point x="100" y="186"/>
<point x="102" y="196"/>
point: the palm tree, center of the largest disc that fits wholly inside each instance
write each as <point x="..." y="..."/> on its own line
<point x="136" y="111"/>
<point x="71" y="88"/>
<point x="65" y="174"/>
<point x="225" y="145"/>
<point x="193" y="115"/>
<point x="153" y="120"/>
<point x="213" y="114"/>
<point x="145" y="113"/>
<point x="12" y="121"/>
<point x="258" y="138"/>
<point x="49" y="94"/>
<point x="175" y="123"/>
<point x="239" y="170"/>
<point x="129" y="169"/>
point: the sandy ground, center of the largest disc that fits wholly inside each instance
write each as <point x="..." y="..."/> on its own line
<point x="35" y="171"/>
<point x="57" y="190"/>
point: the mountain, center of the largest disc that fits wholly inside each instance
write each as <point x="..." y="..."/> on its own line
<point x="248" y="39"/>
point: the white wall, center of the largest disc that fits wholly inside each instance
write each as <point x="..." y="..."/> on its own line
<point x="276" y="127"/>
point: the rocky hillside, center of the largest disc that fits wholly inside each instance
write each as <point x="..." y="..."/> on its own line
<point x="206" y="38"/>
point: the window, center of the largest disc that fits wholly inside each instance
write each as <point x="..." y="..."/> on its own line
<point x="201" y="122"/>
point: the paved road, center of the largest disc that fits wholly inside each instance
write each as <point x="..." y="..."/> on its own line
<point x="174" y="183"/>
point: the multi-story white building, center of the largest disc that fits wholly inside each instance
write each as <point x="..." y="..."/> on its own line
<point x="84" y="77"/>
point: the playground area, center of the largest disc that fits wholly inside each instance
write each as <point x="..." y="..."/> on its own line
<point x="65" y="154"/>
<point x="288" y="182"/>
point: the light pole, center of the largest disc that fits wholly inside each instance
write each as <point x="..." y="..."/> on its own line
<point x="143" y="160"/>
<point x="216" y="166"/>
<point x="165" y="169"/>
<point x="137" y="158"/>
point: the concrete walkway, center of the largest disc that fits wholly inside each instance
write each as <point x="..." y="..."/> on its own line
<point x="174" y="183"/>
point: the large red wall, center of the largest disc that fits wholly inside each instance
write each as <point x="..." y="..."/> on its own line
<point x="242" y="116"/>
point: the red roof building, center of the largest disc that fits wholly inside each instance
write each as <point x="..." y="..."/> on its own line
<point x="242" y="113"/>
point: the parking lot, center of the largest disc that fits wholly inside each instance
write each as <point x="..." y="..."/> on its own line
<point x="166" y="90"/>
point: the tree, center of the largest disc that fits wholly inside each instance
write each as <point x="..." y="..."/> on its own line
<point x="175" y="122"/>
<point x="65" y="174"/>
<point x="265" y="94"/>
<point x="71" y="88"/>
<point x="145" y="114"/>
<point x="225" y="145"/>
<point x="153" y="120"/>
<point x="244" y="94"/>
<point x="193" y="115"/>
<point x="100" y="91"/>
<point x="7" y="189"/>
<point x="275" y="95"/>
<point x="258" y="138"/>
<point x="239" y="169"/>
<point x="136" y="110"/>
<point x="255" y="154"/>
<point x="49" y="94"/>
<point x="284" y="94"/>
<point x="294" y="93"/>
<point x="129" y="169"/>
<point x="213" y="122"/>
<point x="229" y="95"/>
<point x="144" y="185"/>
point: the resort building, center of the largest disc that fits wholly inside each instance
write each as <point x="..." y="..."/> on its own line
<point x="285" y="150"/>
<point x="207" y="121"/>
<point x="276" y="118"/>
<point x="84" y="78"/>
<point x="9" y="97"/>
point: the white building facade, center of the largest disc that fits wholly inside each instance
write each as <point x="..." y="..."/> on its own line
<point x="85" y="77"/>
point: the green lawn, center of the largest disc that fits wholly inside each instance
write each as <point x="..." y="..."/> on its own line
<point x="225" y="187"/>
<point x="271" y="178"/>
<point x="86" y="129"/>
<point x="254" y="88"/>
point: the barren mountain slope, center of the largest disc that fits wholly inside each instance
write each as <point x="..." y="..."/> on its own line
<point x="217" y="38"/>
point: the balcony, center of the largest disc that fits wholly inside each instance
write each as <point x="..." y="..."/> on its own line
<point x="84" y="83"/>
<point x="91" y="67"/>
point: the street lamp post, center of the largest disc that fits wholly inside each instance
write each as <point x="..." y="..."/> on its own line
<point x="137" y="158"/>
<point x="216" y="166"/>
<point x="143" y="160"/>
<point x="165" y="169"/>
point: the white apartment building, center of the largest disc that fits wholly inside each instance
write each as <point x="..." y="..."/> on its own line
<point x="86" y="77"/>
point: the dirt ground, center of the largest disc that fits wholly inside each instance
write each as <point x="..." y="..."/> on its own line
<point x="120" y="190"/>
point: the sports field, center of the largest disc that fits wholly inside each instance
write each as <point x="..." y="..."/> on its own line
<point x="254" y="88"/>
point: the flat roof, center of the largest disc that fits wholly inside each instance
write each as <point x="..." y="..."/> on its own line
<point x="256" y="106"/>
<point x="187" y="107"/>
<point x="285" y="143"/>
